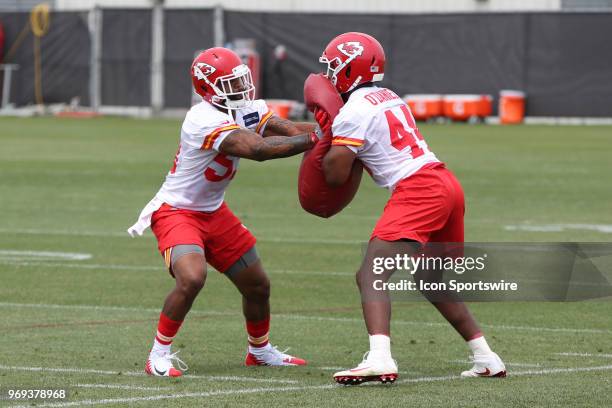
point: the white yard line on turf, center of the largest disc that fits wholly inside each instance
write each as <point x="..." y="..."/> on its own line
<point x="440" y="324"/>
<point x="546" y="329"/>
<point x="34" y="231"/>
<point x="142" y="374"/>
<point x="603" y="228"/>
<point x="291" y="316"/>
<point x="12" y="254"/>
<point x="21" y="262"/>
<point x="122" y="234"/>
<point x="160" y="267"/>
<point x="39" y="263"/>
<point x="585" y="355"/>
<point x="109" y="308"/>
<point x="344" y="368"/>
<point x="178" y="396"/>
<point x="510" y="374"/>
<point x="505" y="362"/>
<point x="122" y="387"/>
<point x="301" y="388"/>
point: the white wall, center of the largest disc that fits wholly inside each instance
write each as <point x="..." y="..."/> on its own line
<point x="351" y="6"/>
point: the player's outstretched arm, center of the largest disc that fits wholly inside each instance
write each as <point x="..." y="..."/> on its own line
<point x="250" y="145"/>
<point x="337" y="165"/>
<point x="277" y="126"/>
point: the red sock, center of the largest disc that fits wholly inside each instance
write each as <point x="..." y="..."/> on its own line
<point x="474" y="336"/>
<point x="258" y="332"/>
<point x="167" y="329"/>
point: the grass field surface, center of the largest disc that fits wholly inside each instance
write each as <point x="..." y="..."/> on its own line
<point x="79" y="298"/>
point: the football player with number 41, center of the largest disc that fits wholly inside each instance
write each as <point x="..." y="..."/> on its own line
<point x="190" y="219"/>
<point x="426" y="203"/>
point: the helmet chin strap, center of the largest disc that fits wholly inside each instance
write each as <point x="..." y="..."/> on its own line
<point x="354" y="84"/>
<point x="225" y="103"/>
<point x="236" y="104"/>
<point x="223" y="98"/>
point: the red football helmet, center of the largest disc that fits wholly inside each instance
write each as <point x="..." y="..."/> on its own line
<point x="353" y="59"/>
<point x="220" y="77"/>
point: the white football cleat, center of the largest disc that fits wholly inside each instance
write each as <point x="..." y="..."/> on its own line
<point x="489" y="365"/>
<point x="160" y="365"/>
<point x="269" y="355"/>
<point x="370" y="369"/>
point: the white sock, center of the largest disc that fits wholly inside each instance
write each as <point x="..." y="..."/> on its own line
<point x="259" y="350"/>
<point x="479" y="346"/>
<point x="380" y="345"/>
<point x="159" y="348"/>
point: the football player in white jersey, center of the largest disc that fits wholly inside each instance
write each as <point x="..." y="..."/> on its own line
<point x="189" y="217"/>
<point x="426" y="204"/>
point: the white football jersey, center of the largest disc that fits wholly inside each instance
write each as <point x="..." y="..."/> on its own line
<point x="200" y="173"/>
<point x="378" y="126"/>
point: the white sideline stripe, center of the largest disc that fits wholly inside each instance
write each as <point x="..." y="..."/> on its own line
<point x="436" y="324"/>
<point x="84" y="266"/>
<point x="603" y="228"/>
<point x="33" y="231"/>
<point x="505" y="362"/>
<point x="585" y="355"/>
<point x="304" y="388"/>
<point x="142" y="374"/>
<point x="71" y="256"/>
<point x="121" y="234"/>
<point x="511" y="374"/>
<point x="304" y="317"/>
<point x="160" y="267"/>
<point x="122" y="387"/>
<point x="178" y="396"/>
<point x="114" y="308"/>
<point x="548" y="329"/>
<point x="21" y="262"/>
<point x="344" y="368"/>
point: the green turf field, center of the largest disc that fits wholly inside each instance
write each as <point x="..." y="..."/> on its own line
<point x="74" y="186"/>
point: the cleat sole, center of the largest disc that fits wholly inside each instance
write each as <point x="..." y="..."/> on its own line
<point x="357" y="380"/>
<point x="501" y="374"/>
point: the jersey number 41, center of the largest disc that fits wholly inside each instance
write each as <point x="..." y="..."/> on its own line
<point x="403" y="136"/>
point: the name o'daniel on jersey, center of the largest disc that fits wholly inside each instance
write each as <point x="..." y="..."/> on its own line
<point x="378" y="126"/>
<point x="381" y="96"/>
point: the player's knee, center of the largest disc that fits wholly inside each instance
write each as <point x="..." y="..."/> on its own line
<point x="189" y="268"/>
<point x="191" y="279"/>
<point x="191" y="285"/>
<point x="195" y="283"/>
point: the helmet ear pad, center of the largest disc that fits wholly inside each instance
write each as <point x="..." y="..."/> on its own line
<point x="347" y="72"/>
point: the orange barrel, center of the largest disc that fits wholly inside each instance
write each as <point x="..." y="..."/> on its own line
<point x="281" y="107"/>
<point x="511" y="106"/>
<point x="424" y="106"/>
<point x="485" y="106"/>
<point x="461" y="107"/>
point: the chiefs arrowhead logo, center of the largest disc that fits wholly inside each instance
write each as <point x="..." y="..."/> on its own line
<point x="351" y="48"/>
<point x="201" y="70"/>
